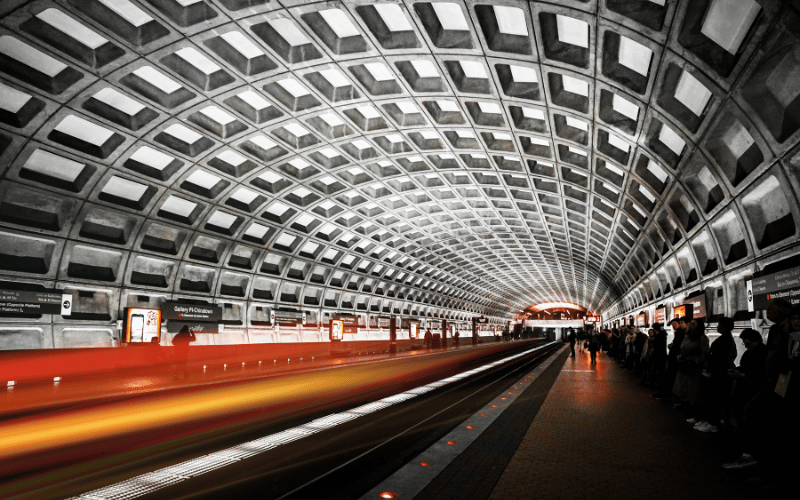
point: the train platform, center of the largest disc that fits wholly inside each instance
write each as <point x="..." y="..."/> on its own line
<point x="600" y="435"/>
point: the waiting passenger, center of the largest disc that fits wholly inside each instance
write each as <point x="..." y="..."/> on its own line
<point x="594" y="346"/>
<point x="647" y="355"/>
<point x="638" y="347"/>
<point x="694" y="350"/>
<point x="748" y="380"/>
<point x="428" y="338"/>
<point x="667" y="383"/>
<point x="630" y="349"/>
<point x="716" y="386"/>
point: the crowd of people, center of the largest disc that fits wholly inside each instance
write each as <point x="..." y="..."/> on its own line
<point x="754" y="403"/>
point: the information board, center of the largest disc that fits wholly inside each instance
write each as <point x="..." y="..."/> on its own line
<point x="191" y="312"/>
<point x="413" y="330"/>
<point x="592" y="319"/>
<point x="13" y="301"/>
<point x="780" y="285"/>
<point x="384" y="321"/>
<point x="435" y="326"/>
<point x="176" y="325"/>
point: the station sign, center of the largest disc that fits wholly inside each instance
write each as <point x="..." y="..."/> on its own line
<point x="349" y="322"/>
<point x="191" y="312"/>
<point x="481" y="320"/>
<point x="661" y="315"/>
<point x="384" y="322"/>
<point x="18" y="302"/>
<point x="142" y="325"/>
<point x="435" y="325"/>
<point x="780" y="285"/>
<point x="592" y="319"/>
<point x="698" y="306"/>
<point x="290" y="318"/>
<point x="683" y="311"/>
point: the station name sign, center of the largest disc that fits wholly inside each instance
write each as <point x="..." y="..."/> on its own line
<point x="592" y="319"/>
<point x="191" y="312"/>
<point x="12" y="301"/>
<point x="780" y="285"/>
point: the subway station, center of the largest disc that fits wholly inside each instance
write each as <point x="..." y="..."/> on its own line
<point x="411" y="249"/>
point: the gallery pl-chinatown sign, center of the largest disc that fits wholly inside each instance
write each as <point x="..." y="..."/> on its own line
<point x="780" y="285"/>
<point x="191" y="312"/>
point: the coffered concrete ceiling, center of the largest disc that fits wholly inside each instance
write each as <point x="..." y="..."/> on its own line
<point x="446" y="158"/>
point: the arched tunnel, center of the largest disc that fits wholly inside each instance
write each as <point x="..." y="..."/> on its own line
<point x="434" y="161"/>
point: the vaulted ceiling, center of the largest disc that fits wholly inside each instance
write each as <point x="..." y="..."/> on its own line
<point x="460" y="156"/>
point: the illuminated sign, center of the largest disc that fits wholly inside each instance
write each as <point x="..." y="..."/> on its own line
<point x="191" y="312"/>
<point x="350" y="322"/>
<point x="661" y="315"/>
<point x="682" y="311"/>
<point x="481" y="320"/>
<point x="641" y="320"/>
<point x="698" y="306"/>
<point x="336" y="330"/>
<point x="592" y="319"/>
<point x="780" y="285"/>
<point x="413" y="330"/>
<point x="12" y="301"/>
<point x="141" y="325"/>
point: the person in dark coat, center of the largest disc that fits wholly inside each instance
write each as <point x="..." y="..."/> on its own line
<point x="667" y="382"/>
<point x="658" y="358"/>
<point x="181" y="342"/>
<point x="572" y="339"/>
<point x="428" y="338"/>
<point x="748" y="414"/>
<point x="594" y="346"/>
<point x="716" y="384"/>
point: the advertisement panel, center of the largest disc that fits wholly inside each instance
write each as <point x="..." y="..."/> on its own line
<point x="592" y="319"/>
<point x="413" y="330"/>
<point x="780" y="285"/>
<point x="698" y="306"/>
<point x="661" y="315"/>
<point x="142" y="325"/>
<point x="683" y="311"/>
<point x="641" y="320"/>
<point x="336" y="331"/>
<point x="17" y="302"/>
<point x="191" y="312"/>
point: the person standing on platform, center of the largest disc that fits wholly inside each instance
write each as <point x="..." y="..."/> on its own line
<point x="428" y="338"/>
<point x="572" y="339"/>
<point x="181" y="342"/>
<point x="665" y="393"/>
<point x="694" y="350"/>
<point x="715" y="384"/>
<point x="456" y="337"/>
<point x="658" y="358"/>
<point x="594" y="346"/>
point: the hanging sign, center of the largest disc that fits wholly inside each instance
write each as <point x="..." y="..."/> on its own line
<point x="592" y="319"/>
<point x="780" y="285"/>
<point x="289" y="318"/>
<point x="12" y="301"/>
